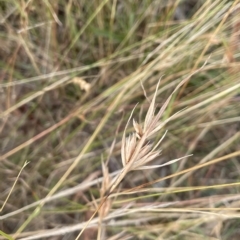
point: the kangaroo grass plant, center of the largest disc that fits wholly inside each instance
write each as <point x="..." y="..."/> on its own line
<point x="137" y="151"/>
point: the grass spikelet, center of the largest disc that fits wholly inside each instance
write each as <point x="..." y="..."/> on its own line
<point x="136" y="150"/>
<point x="107" y="203"/>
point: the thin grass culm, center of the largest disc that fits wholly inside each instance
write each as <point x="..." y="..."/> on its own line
<point x="137" y="151"/>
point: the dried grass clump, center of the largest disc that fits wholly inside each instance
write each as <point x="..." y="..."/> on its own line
<point x="62" y="86"/>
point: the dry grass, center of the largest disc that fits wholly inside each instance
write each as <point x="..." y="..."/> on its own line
<point x="73" y="71"/>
